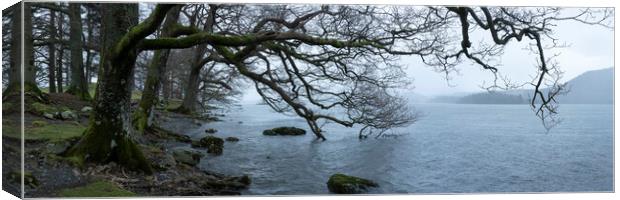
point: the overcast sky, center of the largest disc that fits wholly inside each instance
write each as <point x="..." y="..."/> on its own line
<point x="591" y="48"/>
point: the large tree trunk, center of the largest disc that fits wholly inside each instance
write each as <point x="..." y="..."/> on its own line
<point x="191" y="91"/>
<point x="31" y="89"/>
<point x="78" y="85"/>
<point x="109" y="136"/>
<point x="51" y="73"/>
<point x="157" y="66"/>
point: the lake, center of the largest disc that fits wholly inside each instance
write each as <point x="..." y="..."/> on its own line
<point x="453" y="148"/>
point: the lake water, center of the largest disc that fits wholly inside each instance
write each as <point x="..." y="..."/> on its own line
<point x="452" y="149"/>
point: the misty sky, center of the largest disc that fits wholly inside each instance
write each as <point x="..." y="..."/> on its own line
<point x="590" y="48"/>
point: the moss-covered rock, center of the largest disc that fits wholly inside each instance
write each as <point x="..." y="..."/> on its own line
<point x="186" y="156"/>
<point x="214" y="145"/>
<point x="284" y="131"/>
<point x="343" y="184"/>
<point x="96" y="189"/>
<point x="29" y="179"/>
<point x="232" y="139"/>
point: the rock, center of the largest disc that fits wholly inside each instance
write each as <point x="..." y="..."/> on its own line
<point x="343" y="184"/>
<point x="29" y="179"/>
<point x="68" y="115"/>
<point x="57" y="147"/>
<point x="284" y="131"/>
<point x="232" y="139"/>
<point x="165" y="161"/>
<point x="186" y="156"/>
<point x="48" y="115"/>
<point x="87" y="109"/>
<point x="214" y="145"/>
<point x="211" y="131"/>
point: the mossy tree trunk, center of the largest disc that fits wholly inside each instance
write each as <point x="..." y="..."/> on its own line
<point x="154" y="73"/>
<point x="78" y="85"/>
<point x="109" y="136"/>
<point x="31" y="90"/>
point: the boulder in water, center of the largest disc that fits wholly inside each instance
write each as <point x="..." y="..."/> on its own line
<point x="214" y="145"/>
<point x="232" y="139"/>
<point x="284" y="131"/>
<point x="343" y="184"/>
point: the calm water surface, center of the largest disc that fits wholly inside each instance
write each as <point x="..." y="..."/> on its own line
<point x="452" y="149"/>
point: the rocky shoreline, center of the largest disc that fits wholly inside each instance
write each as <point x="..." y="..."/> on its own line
<point x="51" y="175"/>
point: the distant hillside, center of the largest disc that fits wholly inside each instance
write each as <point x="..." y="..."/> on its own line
<point x="491" y="98"/>
<point x="591" y="87"/>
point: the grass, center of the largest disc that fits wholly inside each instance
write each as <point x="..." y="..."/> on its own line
<point x="46" y="132"/>
<point x="96" y="189"/>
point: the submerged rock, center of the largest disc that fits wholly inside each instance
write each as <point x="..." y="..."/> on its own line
<point x="186" y="156"/>
<point x="211" y="131"/>
<point x="343" y="184"/>
<point x="232" y="139"/>
<point x="284" y="131"/>
<point x="214" y="145"/>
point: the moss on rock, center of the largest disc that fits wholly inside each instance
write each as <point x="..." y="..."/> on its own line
<point x="343" y="184"/>
<point x="214" y="145"/>
<point x="96" y="189"/>
<point x="284" y="131"/>
<point x="29" y="179"/>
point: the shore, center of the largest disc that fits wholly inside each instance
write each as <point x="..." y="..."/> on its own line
<point x="48" y="174"/>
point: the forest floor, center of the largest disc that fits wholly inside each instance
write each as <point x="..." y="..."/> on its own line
<point x="48" y="174"/>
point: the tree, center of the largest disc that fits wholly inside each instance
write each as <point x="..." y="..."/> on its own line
<point x="198" y="61"/>
<point x="109" y="136"/>
<point x="78" y="85"/>
<point x="326" y="64"/>
<point x="31" y="89"/>
<point x="154" y="72"/>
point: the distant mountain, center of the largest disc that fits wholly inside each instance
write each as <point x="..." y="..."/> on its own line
<point x="591" y="87"/>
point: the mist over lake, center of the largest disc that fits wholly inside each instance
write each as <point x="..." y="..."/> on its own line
<point x="454" y="148"/>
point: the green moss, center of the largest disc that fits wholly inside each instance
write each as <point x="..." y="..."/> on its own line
<point x="8" y="107"/>
<point x="72" y="160"/>
<point x="41" y="108"/>
<point x="343" y="184"/>
<point x="173" y="104"/>
<point x="29" y="179"/>
<point x="10" y="129"/>
<point x="96" y="189"/>
<point x="38" y="123"/>
<point x="51" y="132"/>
